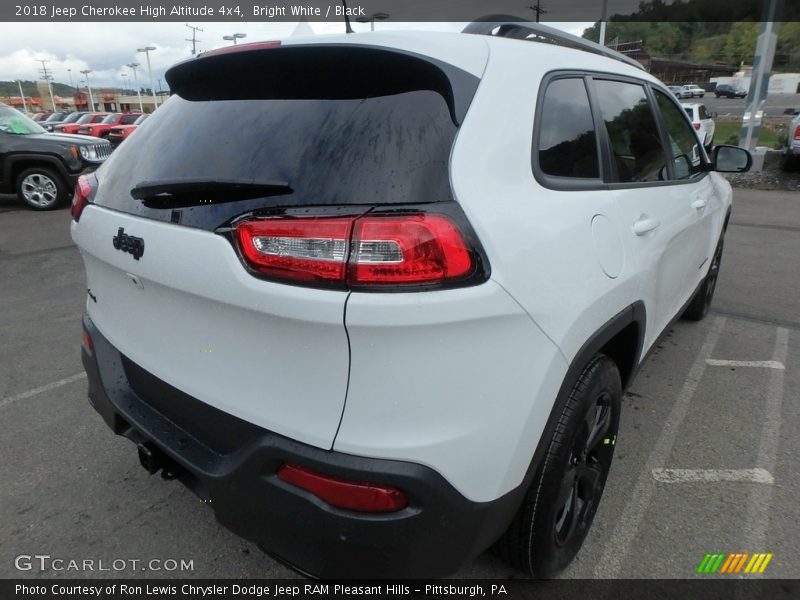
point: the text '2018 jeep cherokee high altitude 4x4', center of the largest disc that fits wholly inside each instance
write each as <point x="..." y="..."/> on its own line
<point x="377" y="297"/>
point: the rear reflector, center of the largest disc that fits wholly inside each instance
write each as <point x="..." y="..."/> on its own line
<point x="370" y="251"/>
<point x="697" y="126"/>
<point x="86" y="341"/>
<point x="797" y="133"/>
<point x="342" y="493"/>
<point x="80" y="198"/>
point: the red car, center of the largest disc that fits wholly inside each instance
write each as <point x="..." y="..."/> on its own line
<point x="102" y="128"/>
<point x="117" y="134"/>
<point x="84" y="120"/>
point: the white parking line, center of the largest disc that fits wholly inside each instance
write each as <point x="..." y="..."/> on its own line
<point x="764" y="364"/>
<point x="41" y="389"/>
<point x="759" y="506"/>
<point x="616" y="550"/>
<point x="712" y="475"/>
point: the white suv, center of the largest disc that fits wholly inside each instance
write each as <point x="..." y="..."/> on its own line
<point x="702" y="121"/>
<point x="376" y="297"/>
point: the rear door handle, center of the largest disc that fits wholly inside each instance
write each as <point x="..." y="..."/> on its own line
<point x="645" y="225"/>
<point x="699" y="204"/>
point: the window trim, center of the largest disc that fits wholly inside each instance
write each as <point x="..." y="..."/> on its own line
<point x="604" y="182"/>
<point x="556" y="182"/>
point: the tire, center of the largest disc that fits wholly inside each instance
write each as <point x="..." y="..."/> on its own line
<point x="558" y="508"/>
<point x="700" y="304"/>
<point x="41" y="188"/>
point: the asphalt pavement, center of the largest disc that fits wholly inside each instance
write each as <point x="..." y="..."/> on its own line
<point x="776" y="105"/>
<point x="706" y="457"/>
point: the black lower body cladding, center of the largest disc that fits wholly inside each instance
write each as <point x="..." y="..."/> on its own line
<point x="232" y="464"/>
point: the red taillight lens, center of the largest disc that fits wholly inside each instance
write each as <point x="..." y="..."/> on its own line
<point x="697" y="126"/>
<point x="86" y="341"/>
<point x="305" y="249"/>
<point x="797" y="133"/>
<point x="81" y="197"/>
<point x="370" y="251"/>
<point x="409" y="249"/>
<point x="342" y="493"/>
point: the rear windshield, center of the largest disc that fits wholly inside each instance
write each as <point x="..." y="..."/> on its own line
<point x="389" y="148"/>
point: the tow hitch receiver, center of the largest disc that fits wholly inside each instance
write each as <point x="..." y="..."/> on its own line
<point x="153" y="460"/>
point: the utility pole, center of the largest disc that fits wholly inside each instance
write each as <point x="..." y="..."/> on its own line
<point x="538" y="10"/>
<point x="24" y="106"/>
<point x="194" y="39"/>
<point x="48" y="78"/>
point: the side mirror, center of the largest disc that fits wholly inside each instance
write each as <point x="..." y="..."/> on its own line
<point x="714" y="115"/>
<point x="732" y="159"/>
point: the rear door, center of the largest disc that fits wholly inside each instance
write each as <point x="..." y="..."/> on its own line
<point x="296" y="139"/>
<point x="663" y="242"/>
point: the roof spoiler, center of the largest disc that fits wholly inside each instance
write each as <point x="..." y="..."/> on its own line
<point x="518" y="29"/>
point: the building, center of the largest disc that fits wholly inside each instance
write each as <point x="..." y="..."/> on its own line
<point x="674" y="72"/>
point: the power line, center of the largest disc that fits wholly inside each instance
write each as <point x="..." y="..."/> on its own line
<point x="194" y="39"/>
<point x="538" y="10"/>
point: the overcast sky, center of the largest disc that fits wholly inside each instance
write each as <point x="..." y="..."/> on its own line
<point x="106" y="48"/>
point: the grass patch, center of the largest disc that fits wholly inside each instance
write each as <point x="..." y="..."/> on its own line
<point x="770" y="135"/>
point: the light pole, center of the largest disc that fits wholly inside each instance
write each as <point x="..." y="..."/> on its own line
<point x="24" y="106"/>
<point x="379" y="16"/>
<point x="147" y="50"/>
<point x="124" y="84"/>
<point x="132" y="66"/>
<point x="234" y="37"/>
<point x="91" y="98"/>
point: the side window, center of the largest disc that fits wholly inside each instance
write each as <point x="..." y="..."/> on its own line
<point x="567" y="143"/>
<point x="637" y="154"/>
<point x="684" y="145"/>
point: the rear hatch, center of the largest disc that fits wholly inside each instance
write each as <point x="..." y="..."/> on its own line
<point x="318" y="129"/>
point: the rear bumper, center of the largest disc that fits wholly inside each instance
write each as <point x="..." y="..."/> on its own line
<point x="233" y="464"/>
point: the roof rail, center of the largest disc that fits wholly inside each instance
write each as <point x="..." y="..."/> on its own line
<point x="515" y="28"/>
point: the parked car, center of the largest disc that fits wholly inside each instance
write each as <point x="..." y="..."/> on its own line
<point x="90" y="118"/>
<point x="42" y="168"/>
<point x="103" y="128"/>
<point x="791" y="151"/>
<point x="118" y="134"/>
<point x="676" y="90"/>
<point x="38" y="117"/>
<point x="377" y="328"/>
<point x="725" y="90"/>
<point x="702" y="121"/>
<point x="56" y="117"/>
<point x="692" y="91"/>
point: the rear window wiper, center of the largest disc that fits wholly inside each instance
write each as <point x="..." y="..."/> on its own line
<point x="176" y="193"/>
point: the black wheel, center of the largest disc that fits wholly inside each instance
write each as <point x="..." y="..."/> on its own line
<point x="558" y="509"/>
<point x="41" y="188"/>
<point x="698" y="307"/>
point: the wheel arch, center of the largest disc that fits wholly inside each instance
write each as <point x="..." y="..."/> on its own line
<point x="18" y="163"/>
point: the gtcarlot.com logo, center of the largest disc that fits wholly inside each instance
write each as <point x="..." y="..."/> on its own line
<point x="733" y="563"/>
<point x="46" y="562"/>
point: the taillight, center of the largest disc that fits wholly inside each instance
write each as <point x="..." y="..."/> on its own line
<point x="797" y="133"/>
<point x="697" y="126"/>
<point x="80" y="198"/>
<point x="371" y="251"/>
<point x="343" y="493"/>
<point x="413" y="249"/>
<point x="308" y="249"/>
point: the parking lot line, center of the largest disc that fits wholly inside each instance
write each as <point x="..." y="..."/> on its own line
<point x="616" y="550"/>
<point x="759" y="506"/>
<point x="757" y="475"/>
<point x="41" y="389"/>
<point x="764" y="364"/>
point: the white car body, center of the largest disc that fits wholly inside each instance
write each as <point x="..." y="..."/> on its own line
<point x="692" y="91"/>
<point x="461" y="381"/>
<point x="702" y="122"/>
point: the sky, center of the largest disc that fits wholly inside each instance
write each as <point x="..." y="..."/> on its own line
<point x="105" y="48"/>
